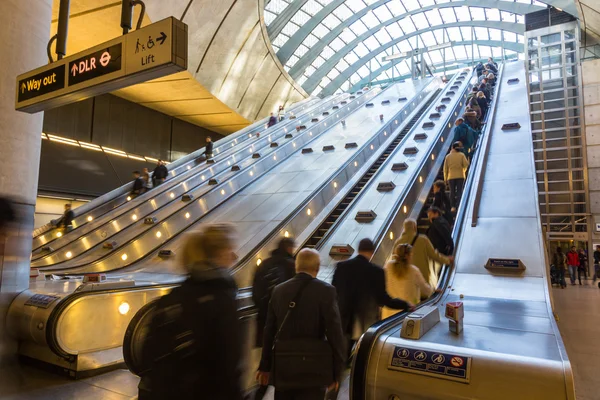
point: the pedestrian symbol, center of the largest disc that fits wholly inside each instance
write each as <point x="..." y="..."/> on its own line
<point x="403" y="353"/>
<point x="438" y="359"/>
<point x="420" y="356"/>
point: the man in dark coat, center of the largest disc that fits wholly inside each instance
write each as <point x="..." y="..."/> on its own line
<point x="139" y="186"/>
<point x="361" y="291"/>
<point x="66" y="221"/>
<point x="160" y="173"/>
<point x="439" y="232"/>
<point x="316" y="316"/>
<point x="208" y="149"/>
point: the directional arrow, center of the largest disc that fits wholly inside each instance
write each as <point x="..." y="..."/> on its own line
<point x="161" y="38"/>
<point x="23" y="87"/>
<point x="74" y="69"/>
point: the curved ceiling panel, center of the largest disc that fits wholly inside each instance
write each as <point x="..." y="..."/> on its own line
<point x="326" y="44"/>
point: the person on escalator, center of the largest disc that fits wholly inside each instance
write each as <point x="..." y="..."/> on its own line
<point x="441" y="200"/>
<point x="455" y="169"/>
<point x="439" y="231"/>
<point x="160" y="173"/>
<point x="404" y="279"/>
<point x="360" y="287"/>
<point x="139" y="185"/>
<point x="464" y="134"/>
<point x="483" y="104"/>
<point x="194" y="345"/>
<point x="272" y="121"/>
<point x="147" y="180"/>
<point x="483" y="87"/>
<point x="423" y="253"/>
<point x="479" y="69"/>
<point x="66" y="221"/>
<point x="208" y="149"/>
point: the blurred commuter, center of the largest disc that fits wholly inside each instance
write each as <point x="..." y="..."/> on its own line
<point x="160" y="173"/>
<point x="361" y="291"/>
<point x="472" y="94"/>
<point x="596" y="262"/>
<point x="139" y="185"/>
<point x="296" y="358"/>
<point x="439" y="231"/>
<point x="491" y="80"/>
<point x="479" y="69"/>
<point x="146" y="178"/>
<point x="492" y="64"/>
<point x="486" y="92"/>
<point x="470" y="117"/>
<point x="464" y="134"/>
<point x="272" y="121"/>
<point x="423" y="252"/>
<point x="208" y="149"/>
<point x="194" y="344"/>
<point x="475" y="107"/>
<point x="455" y="169"/>
<point x="66" y="221"/>
<point x="280" y="114"/>
<point x="404" y="279"/>
<point x="572" y="263"/>
<point x="441" y="200"/>
<point x="559" y="260"/>
<point x="483" y="104"/>
<point x="582" y="269"/>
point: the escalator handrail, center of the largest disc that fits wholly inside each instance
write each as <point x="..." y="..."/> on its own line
<point x="358" y="376"/>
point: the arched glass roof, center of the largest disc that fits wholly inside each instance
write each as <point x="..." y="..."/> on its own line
<point x="326" y="45"/>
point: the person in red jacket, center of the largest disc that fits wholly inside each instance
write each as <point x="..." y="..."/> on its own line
<point x="573" y="263"/>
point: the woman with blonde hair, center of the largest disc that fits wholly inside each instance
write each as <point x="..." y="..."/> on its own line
<point x="404" y="280"/>
<point x="423" y="253"/>
<point x="194" y="344"/>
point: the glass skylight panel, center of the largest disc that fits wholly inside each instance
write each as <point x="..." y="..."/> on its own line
<point x="520" y="19"/>
<point x="454" y="34"/>
<point x="331" y="21"/>
<point x="311" y="7"/>
<point x="300" y="18"/>
<point x="309" y="70"/>
<point x="316" y="91"/>
<point x="420" y="21"/>
<point x="325" y="2"/>
<point x="442" y="1"/>
<point x="467" y="33"/>
<point x="310" y="41"/>
<point x="301" y="80"/>
<point x="347" y="35"/>
<point x="286" y="68"/>
<point x="351" y="58"/>
<point x="369" y="2"/>
<point x="436" y="56"/>
<point x="320" y="31"/>
<point x="497" y="52"/>
<point x="292" y="61"/>
<point x="342" y="65"/>
<point x="355" y="5"/>
<point x="462" y="13"/>
<point x="448" y="15"/>
<point x="336" y="44"/>
<point x="477" y="14"/>
<point x="343" y="12"/>
<point x="520" y="39"/>
<point x="426" y="3"/>
<point x="538" y="3"/>
<point x="507" y="17"/>
<point x="269" y="17"/>
<point x="289" y="29"/>
<point x="404" y="46"/>
<point x="434" y="18"/>
<point x="358" y="28"/>
<point x="396" y="7"/>
<point x="364" y="71"/>
<point x="460" y="52"/>
<point x="485" y="51"/>
<point x="361" y="50"/>
<point x="449" y="54"/>
<point x="280" y="40"/>
<point x="411" y="5"/>
<point x="301" y="51"/>
<point x="493" y="14"/>
<point x="318" y="62"/>
<point x="407" y="25"/>
<point x="510" y="36"/>
<point x="375" y="64"/>
<point x="481" y="33"/>
<point x="276" y="6"/>
<point x="403" y="68"/>
<point x="469" y="50"/>
<point x="371" y="43"/>
<point x="495" y="34"/>
<point x="428" y="39"/>
<point x="327" y="53"/>
<point x="370" y="20"/>
<point x="333" y="73"/>
<point x="355" y="78"/>
<point x="383" y="36"/>
<point x="383" y="13"/>
<point x="440" y="36"/>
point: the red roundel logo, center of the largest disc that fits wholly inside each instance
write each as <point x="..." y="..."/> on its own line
<point x="457" y="361"/>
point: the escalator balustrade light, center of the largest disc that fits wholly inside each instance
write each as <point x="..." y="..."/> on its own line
<point x="134" y="217"/>
<point x="258" y="262"/>
<point x="371" y="147"/>
<point x="460" y="104"/>
<point x="391" y="235"/>
<point x="249" y="135"/>
<point x="187" y="215"/>
<point x="405" y="209"/>
<point x="335" y="184"/>
<point x="308" y="211"/>
<point x="442" y="139"/>
<point x="232" y="144"/>
<point x="58" y="234"/>
<point x="433" y="156"/>
<point x="356" y="163"/>
<point x="124" y="257"/>
<point x="286" y="234"/>
<point x="223" y="191"/>
<point x="128" y="198"/>
<point x="396" y="121"/>
<point x="172" y="195"/>
<point x="90" y="218"/>
<point x="158" y="234"/>
<point x="310" y="133"/>
<point x="124" y="308"/>
<point x="251" y="173"/>
<point x="188" y="167"/>
<point x="68" y="254"/>
<point x="275" y="158"/>
<point x="420" y="179"/>
<point x="325" y="123"/>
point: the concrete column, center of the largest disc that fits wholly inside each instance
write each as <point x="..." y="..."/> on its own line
<point x="25" y="31"/>
<point x="591" y="102"/>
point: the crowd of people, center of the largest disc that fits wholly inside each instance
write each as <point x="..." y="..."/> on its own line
<point x="575" y="262"/>
<point x="143" y="182"/>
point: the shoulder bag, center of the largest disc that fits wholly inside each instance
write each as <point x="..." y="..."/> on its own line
<point x="301" y="362"/>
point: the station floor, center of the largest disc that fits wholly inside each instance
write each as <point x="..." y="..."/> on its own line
<point x="577" y="308"/>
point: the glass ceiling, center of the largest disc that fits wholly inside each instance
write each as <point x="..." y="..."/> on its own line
<point x="326" y="45"/>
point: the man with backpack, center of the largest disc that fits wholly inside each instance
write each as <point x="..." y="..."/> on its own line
<point x="559" y="260"/>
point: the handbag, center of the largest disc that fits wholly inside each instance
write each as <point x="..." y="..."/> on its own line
<point x="302" y="362"/>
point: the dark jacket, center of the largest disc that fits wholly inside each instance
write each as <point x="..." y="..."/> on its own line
<point x="361" y="291"/>
<point x="208" y="149"/>
<point x="483" y="88"/>
<point x="272" y="121"/>
<point x="596" y="257"/>
<point x="559" y="260"/>
<point x="483" y="104"/>
<point x="440" y="234"/>
<point x="160" y="172"/>
<point x="66" y="219"/>
<point x="316" y="315"/>
<point x="194" y="345"/>
<point x="273" y="271"/>
<point x="139" y="185"/>
<point x="441" y="201"/>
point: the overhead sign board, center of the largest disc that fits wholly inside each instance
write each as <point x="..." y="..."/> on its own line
<point x="151" y="52"/>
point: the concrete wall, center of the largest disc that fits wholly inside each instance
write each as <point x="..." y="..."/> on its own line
<point x="591" y="101"/>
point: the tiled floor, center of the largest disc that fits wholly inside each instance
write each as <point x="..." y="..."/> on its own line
<point x="578" y="310"/>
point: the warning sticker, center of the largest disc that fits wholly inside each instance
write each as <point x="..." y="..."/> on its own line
<point x="441" y="365"/>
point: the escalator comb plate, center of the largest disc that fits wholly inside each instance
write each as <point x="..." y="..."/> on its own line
<point x="365" y="216"/>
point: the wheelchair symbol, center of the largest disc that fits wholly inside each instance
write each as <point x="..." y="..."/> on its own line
<point x="438" y="359"/>
<point x="150" y="43"/>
